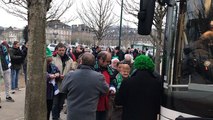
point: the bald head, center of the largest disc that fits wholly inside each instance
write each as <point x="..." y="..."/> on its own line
<point x="104" y="58"/>
<point x="103" y="55"/>
<point x="88" y="59"/>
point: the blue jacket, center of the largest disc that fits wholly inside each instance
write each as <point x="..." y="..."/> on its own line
<point x="51" y="69"/>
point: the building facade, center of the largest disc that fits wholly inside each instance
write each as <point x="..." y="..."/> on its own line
<point x="12" y="34"/>
<point x="57" y="31"/>
<point x="81" y="34"/>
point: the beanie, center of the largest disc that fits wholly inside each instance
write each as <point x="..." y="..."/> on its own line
<point x="48" y="52"/>
<point x="143" y="62"/>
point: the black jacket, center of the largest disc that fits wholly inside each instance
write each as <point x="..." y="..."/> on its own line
<point x="17" y="58"/>
<point x="140" y="96"/>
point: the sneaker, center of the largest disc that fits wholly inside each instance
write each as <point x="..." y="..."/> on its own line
<point x="13" y="92"/>
<point x="10" y="99"/>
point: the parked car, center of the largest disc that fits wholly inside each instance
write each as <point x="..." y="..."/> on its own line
<point x="52" y="47"/>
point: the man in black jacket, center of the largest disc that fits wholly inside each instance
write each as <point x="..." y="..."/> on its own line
<point x="119" y="53"/>
<point x="17" y="59"/>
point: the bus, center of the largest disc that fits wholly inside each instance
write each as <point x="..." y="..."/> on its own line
<point x="188" y="61"/>
<point x="144" y="47"/>
<point x="187" y="69"/>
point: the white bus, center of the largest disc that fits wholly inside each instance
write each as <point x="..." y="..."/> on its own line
<point x="187" y="68"/>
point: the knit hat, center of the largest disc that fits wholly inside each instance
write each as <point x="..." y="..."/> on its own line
<point x="48" y="52"/>
<point x="143" y="62"/>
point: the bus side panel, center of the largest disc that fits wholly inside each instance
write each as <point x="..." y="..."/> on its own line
<point x="168" y="114"/>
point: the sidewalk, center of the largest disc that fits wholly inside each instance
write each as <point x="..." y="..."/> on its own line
<point x="15" y="110"/>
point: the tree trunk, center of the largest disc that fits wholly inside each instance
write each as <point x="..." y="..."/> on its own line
<point x="35" y="102"/>
<point x="98" y="42"/>
<point x="157" y="58"/>
<point x="158" y="50"/>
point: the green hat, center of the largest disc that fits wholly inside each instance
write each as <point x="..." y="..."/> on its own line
<point x="48" y="52"/>
<point x="143" y="62"/>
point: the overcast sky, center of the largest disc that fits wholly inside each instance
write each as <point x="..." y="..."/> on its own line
<point x="8" y="20"/>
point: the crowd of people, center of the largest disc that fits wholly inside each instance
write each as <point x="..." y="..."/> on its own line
<point x="99" y="85"/>
<point x="102" y="84"/>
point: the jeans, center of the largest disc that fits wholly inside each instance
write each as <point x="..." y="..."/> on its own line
<point x="58" y="101"/>
<point x="14" y="78"/>
<point x="7" y="79"/>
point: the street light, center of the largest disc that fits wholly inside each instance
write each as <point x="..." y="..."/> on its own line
<point x="55" y="37"/>
<point x="55" y="34"/>
<point x="122" y="2"/>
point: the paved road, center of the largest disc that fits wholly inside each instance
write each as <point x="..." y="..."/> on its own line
<point x="15" y="111"/>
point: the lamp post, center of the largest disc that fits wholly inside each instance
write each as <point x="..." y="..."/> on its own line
<point x="55" y="37"/>
<point x="55" y="34"/>
<point x="122" y="2"/>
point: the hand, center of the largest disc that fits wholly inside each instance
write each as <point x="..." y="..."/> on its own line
<point x="111" y="92"/>
<point x="62" y="77"/>
<point x="57" y="74"/>
<point x="52" y="76"/>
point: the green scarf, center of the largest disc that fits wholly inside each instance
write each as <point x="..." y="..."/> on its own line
<point x="118" y="80"/>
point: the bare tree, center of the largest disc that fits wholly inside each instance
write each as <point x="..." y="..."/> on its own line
<point x="160" y="12"/>
<point x="35" y="101"/>
<point x="82" y="38"/>
<point x="97" y="15"/>
<point x="131" y="7"/>
<point x="19" y="8"/>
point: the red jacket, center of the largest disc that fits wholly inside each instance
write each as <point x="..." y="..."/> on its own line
<point x="103" y="103"/>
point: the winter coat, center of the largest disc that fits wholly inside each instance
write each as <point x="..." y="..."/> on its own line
<point x="140" y="96"/>
<point x="120" y="55"/>
<point x="83" y="88"/>
<point x="103" y="103"/>
<point x="5" y="59"/>
<point x="17" y="58"/>
<point x="63" y="70"/>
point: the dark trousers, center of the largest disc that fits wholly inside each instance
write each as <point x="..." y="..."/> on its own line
<point x="117" y="113"/>
<point x="25" y="72"/>
<point x="101" y="115"/>
<point x="58" y="101"/>
<point x="49" y="108"/>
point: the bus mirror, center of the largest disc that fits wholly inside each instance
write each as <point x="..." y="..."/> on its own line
<point x="145" y="16"/>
